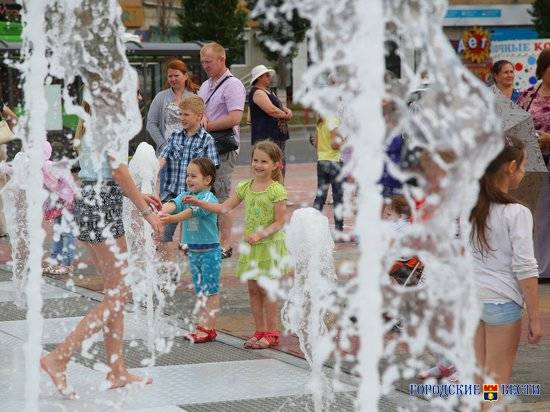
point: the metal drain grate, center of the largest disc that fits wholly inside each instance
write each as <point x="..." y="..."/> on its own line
<point x="181" y="353"/>
<point x="5" y="275"/>
<point x="343" y="402"/>
<point x="52" y="308"/>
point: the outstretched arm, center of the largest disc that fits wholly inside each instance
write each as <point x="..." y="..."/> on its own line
<point x="178" y="217"/>
<point x="122" y="177"/>
<point x="218" y="208"/>
<point x="278" y="224"/>
<point x="168" y="208"/>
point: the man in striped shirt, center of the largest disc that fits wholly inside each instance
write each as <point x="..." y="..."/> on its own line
<point x="191" y="142"/>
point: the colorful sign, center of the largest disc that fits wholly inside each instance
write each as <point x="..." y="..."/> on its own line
<point x="475" y="44"/>
<point x="475" y="49"/>
<point x="523" y="54"/>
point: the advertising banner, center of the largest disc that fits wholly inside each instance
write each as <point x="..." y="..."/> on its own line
<point x="523" y="55"/>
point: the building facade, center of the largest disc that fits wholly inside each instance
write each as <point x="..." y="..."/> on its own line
<point x="146" y="18"/>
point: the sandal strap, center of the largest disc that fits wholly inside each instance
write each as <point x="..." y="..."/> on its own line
<point x="258" y="335"/>
<point x="203" y="329"/>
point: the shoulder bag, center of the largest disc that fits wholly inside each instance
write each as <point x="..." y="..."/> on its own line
<point x="225" y="139"/>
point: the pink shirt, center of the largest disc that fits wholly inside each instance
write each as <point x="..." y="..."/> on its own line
<point x="229" y="97"/>
<point x="539" y="109"/>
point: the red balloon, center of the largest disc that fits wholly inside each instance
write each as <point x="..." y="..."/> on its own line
<point x="519" y="67"/>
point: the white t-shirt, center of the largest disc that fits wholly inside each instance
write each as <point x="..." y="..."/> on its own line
<point x="511" y="257"/>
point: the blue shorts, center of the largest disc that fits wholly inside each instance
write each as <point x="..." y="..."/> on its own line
<point x="495" y="314"/>
<point x="205" y="270"/>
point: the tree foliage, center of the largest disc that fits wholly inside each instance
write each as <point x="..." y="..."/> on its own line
<point x="540" y="11"/>
<point x="280" y="29"/>
<point x="221" y="21"/>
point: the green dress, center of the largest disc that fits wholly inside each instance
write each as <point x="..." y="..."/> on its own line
<point x="268" y="257"/>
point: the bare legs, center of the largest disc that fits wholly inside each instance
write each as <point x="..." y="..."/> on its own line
<point x="264" y="311"/>
<point x="107" y="316"/>
<point x="209" y="306"/>
<point x="496" y="348"/>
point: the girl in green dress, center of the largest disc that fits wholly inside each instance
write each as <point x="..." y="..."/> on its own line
<point x="264" y="251"/>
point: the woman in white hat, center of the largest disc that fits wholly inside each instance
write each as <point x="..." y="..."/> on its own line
<point x="268" y="116"/>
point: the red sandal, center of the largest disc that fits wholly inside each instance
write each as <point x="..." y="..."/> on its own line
<point x="210" y="335"/>
<point x="268" y="340"/>
<point x="253" y="340"/>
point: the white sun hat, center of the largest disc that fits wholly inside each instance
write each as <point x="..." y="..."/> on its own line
<point x="259" y="71"/>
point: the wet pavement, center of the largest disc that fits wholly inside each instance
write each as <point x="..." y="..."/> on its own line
<point x="235" y="323"/>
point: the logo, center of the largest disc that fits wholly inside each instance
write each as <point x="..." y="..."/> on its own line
<point x="490" y="392"/>
<point x="476" y="45"/>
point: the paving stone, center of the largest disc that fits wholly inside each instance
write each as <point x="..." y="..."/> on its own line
<point x="52" y="308"/>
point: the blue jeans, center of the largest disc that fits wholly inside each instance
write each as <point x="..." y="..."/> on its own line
<point x="496" y="314"/>
<point x="329" y="175"/>
<point x="63" y="247"/>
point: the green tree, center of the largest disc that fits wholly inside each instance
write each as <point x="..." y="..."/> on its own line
<point x="280" y="33"/>
<point x="221" y="21"/>
<point x="540" y="11"/>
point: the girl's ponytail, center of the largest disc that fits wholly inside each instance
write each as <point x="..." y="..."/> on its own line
<point x="514" y="150"/>
<point x="277" y="174"/>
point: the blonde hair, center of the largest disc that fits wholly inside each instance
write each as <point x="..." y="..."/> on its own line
<point x="216" y="48"/>
<point x="193" y="103"/>
<point x="274" y="153"/>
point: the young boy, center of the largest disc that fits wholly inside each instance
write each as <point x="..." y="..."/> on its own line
<point x="191" y="142"/>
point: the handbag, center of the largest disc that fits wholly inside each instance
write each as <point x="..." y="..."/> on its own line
<point x="225" y="139"/>
<point x="6" y="135"/>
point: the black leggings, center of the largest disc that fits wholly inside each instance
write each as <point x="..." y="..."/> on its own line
<point x="329" y="174"/>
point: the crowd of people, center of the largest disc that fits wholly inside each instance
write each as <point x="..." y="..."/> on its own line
<point x="196" y="133"/>
<point x="510" y="247"/>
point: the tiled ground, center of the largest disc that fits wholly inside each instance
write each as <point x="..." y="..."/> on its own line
<point x="234" y="318"/>
<point x="217" y="376"/>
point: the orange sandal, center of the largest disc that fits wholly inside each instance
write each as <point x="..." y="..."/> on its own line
<point x="195" y="338"/>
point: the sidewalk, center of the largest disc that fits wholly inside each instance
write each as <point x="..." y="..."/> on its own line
<point x="235" y="320"/>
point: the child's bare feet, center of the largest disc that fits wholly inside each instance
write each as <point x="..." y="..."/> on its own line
<point x="125" y="378"/>
<point x="57" y="370"/>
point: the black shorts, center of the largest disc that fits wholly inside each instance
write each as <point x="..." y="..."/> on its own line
<point x="97" y="216"/>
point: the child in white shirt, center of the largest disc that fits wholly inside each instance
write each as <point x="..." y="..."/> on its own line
<point x="501" y="243"/>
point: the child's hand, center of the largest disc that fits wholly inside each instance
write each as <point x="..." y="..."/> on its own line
<point x="535" y="331"/>
<point x="253" y="238"/>
<point x="166" y="218"/>
<point x="191" y="200"/>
